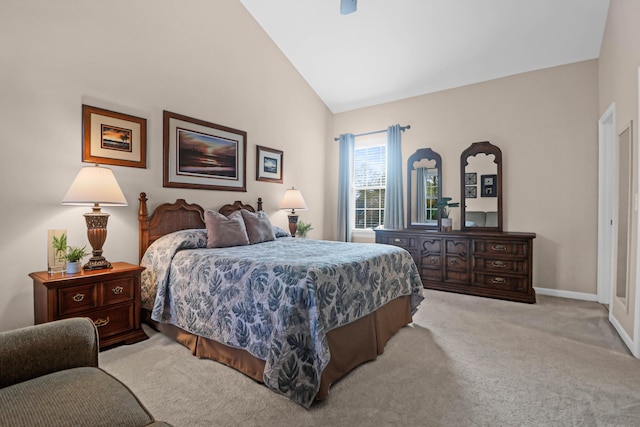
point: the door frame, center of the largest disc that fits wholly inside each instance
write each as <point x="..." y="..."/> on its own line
<point x="606" y="202"/>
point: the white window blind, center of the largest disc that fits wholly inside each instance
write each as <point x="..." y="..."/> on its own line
<point x="370" y="179"/>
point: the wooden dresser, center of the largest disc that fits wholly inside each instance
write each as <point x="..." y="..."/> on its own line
<point x="110" y="297"/>
<point x="487" y="263"/>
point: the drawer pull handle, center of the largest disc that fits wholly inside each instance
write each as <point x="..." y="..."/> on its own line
<point x="396" y="240"/>
<point x="117" y="290"/>
<point x="101" y="322"/>
<point x="433" y="260"/>
<point x="78" y="297"/>
<point x="453" y="261"/>
<point x="499" y="280"/>
<point x="499" y="248"/>
<point x="499" y="264"/>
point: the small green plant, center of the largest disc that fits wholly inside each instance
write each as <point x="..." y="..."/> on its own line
<point x="75" y="254"/>
<point x="67" y="253"/>
<point x="444" y="206"/>
<point x="303" y="229"/>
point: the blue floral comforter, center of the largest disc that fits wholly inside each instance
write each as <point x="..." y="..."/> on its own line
<point x="276" y="300"/>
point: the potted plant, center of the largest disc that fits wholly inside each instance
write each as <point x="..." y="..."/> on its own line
<point x="303" y="229"/>
<point x="72" y="255"/>
<point x="444" y="206"/>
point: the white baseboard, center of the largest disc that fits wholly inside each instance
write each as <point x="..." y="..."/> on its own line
<point x="567" y="294"/>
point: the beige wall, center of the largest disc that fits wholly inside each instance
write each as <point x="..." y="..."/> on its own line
<point x="201" y="58"/>
<point x="618" y="83"/>
<point x="545" y="123"/>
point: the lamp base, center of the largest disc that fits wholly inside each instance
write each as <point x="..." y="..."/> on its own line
<point x="97" y="263"/>
<point x="293" y="224"/>
<point x="97" y="234"/>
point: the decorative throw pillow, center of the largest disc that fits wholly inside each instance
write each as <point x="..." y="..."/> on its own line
<point x="259" y="228"/>
<point x="280" y="232"/>
<point x="225" y="231"/>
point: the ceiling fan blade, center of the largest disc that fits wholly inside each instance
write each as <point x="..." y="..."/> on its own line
<point x="348" y="6"/>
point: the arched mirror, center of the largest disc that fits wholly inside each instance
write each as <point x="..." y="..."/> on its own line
<point x="481" y="187"/>
<point x="424" y="188"/>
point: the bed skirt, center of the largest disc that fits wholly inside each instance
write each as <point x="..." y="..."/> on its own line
<point x="350" y="345"/>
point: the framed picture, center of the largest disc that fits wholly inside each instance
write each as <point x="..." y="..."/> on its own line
<point x="268" y="165"/>
<point x="488" y="188"/>
<point x="470" y="191"/>
<point x="203" y="155"/>
<point x="470" y="178"/>
<point x="111" y="138"/>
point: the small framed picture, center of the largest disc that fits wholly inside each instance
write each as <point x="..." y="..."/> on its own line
<point x="470" y="178"/>
<point x="470" y="191"/>
<point x="488" y="188"/>
<point x="268" y="165"/>
<point x="111" y="138"/>
<point x="203" y="155"/>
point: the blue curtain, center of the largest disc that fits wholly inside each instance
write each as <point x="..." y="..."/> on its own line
<point x="345" y="175"/>
<point x="394" y="201"/>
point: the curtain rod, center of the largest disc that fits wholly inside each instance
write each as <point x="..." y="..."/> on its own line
<point x="402" y="129"/>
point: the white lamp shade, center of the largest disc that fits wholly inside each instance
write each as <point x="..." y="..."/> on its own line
<point x="293" y="200"/>
<point x="95" y="184"/>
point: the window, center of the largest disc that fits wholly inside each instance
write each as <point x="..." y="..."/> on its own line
<point x="370" y="180"/>
<point x="431" y="193"/>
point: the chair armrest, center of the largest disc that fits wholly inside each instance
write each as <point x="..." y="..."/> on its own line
<point x="38" y="350"/>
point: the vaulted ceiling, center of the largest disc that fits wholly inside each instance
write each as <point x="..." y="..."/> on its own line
<point x="394" y="49"/>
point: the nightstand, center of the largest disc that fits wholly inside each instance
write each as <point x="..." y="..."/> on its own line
<point x="109" y="297"/>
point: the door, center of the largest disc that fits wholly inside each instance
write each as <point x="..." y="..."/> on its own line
<point x="606" y="191"/>
<point x="622" y="308"/>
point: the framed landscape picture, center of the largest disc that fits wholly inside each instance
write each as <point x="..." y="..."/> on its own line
<point x="111" y="138"/>
<point x="268" y="164"/>
<point x="203" y="155"/>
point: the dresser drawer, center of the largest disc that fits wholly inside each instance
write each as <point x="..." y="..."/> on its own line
<point x="457" y="255"/>
<point x="113" y="320"/>
<point x="517" y="266"/>
<point x="457" y="247"/>
<point x="457" y="262"/>
<point x="404" y="241"/>
<point x="76" y="299"/>
<point x="117" y="291"/>
<point x="517" y="248"/>
<point x="496" y="281"/>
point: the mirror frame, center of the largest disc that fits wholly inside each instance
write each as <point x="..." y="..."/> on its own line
<point x="420" y="154"/>
<point x="484" y="147"/>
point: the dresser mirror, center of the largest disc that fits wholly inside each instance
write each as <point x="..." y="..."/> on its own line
<point x="424" y="188"/>
<point x="481" y="187"/>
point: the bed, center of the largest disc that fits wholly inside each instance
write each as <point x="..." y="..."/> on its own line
<point x="294" y="314"/>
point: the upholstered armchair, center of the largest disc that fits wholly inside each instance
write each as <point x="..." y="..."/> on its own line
<point x="49" y="376"/>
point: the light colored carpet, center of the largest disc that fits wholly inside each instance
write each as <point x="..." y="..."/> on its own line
<point x="465" y="361"/>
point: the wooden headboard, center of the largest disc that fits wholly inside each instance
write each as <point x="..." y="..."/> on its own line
<point x="180" y="215"/>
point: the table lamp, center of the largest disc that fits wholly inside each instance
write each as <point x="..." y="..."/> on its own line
<point x="293" y="200"/>
<point x="95" y="186"/>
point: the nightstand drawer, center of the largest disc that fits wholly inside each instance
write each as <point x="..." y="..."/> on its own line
<point x="113" y="320"/>
<point x="76" y="299"/>
<point x="117" y="291"/>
